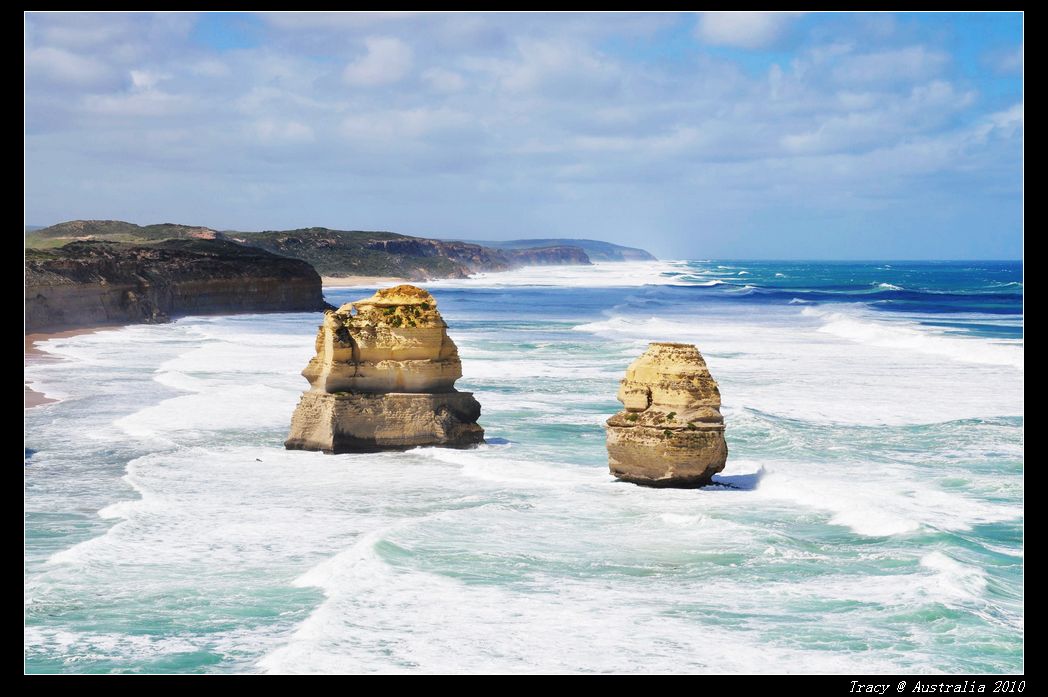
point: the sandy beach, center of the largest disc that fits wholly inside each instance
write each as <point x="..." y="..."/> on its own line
<point x="35" y="355"/>
<point x="363" y="281"/>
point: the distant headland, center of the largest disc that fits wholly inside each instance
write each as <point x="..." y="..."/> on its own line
<point x="87" y="273"/>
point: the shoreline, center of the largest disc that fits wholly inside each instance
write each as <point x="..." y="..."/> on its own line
<point x="362" y="281"/>
<point x="33" y="354"/>
<point x="34" y="398"/>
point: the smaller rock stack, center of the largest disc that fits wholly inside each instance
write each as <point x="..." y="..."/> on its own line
<point x="671" y="433"/>
<point x="383" y="378"/>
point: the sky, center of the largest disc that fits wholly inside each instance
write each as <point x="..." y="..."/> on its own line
<point x="695" y="135"/>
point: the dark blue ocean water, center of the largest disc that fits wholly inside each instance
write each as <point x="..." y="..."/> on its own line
<point x="948" y="288"/>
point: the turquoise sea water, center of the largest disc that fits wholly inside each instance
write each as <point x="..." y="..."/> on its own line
<point x="875" y="426"/>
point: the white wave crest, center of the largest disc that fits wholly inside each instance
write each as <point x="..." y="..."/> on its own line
<point x="910" y="337"/>
<point x="598" y="275"/>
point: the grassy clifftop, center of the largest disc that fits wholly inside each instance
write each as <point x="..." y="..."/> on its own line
<point x="113" y="231"/>
<point x="330" y="252"/>
<point x="365" y="253"/>
<point x="352" y="252"/>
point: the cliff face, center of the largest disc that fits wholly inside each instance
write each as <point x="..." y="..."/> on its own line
<point x="342" y="253"/>
<point x="349" y="253"/>
<point x="383" y="378"/>
<point x="359" y="253"/>
<point x="547" y="256"/>
<point x="471" y="257"/>
<point x="671" y="433"/>
<point x="87" y="284"/>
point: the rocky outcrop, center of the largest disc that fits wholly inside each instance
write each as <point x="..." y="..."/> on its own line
<point x="472" y="258"/>
<point x="363" y="253"/>
<point x="547" y="256"/>
<point x="86" y="284"/>
<point x="671" y="433"/>
<point x="384" y="377"/>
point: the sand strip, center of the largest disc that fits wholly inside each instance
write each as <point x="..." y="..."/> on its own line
<point x="362" y="281"/>
<point x="34" y="355"/>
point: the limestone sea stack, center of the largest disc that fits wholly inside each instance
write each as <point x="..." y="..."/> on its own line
<point x="671" y="433"/>
<point x="384" y="378"/>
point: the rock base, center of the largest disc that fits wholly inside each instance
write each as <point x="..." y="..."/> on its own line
<point x="665" y="457"/>
<point x="347" y="423"/>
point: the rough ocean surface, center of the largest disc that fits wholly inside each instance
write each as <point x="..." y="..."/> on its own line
<point x="874" y="418"/>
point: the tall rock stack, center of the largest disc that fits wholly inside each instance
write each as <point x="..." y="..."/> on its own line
<point x="671" y="433"/>
<point x="384" y="378"/>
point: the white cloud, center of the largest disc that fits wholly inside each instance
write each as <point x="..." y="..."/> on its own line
<point x="272" y="131"/>
<point x="677" y="139"/>
<point x="145" y="79"/>
<point x="394" y="125"/>
<point x="862" y="122"/>
<point x="56" y="65"/>
<point x="743" y="29"/>
<point x="910" y="63"/>
<point x="209" y="67"/>
<point x="328" y="20"/>
<point x="556" y="67"/>
<point x="524" y="112"/>
<point x="387" y="61"/>
<point x="146" y="103"/>
<point x="444" y="80"/>
<point x="1002" y="123"/>
<point x="1007" y="61"/>
<point x="280" y="99"/>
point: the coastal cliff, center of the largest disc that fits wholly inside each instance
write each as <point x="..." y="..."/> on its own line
<point x="671" y="433"/>
<point x="383" y="378"/>
<point x="361" y="253"/>
<point x="354" y="253"/>
<point x="547" y="256"/>
<point x="471" y="257"/>
<point x="345" y="253"/>
<point x="86" y="284"/>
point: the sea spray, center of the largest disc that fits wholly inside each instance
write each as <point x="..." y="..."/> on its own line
<point x="877" y="522"/>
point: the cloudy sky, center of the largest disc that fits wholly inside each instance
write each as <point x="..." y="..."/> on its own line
<point x="724" y="135"/>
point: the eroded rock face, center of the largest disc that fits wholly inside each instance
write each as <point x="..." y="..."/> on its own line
<point x="89" y="284"/>
<point x="671" y="433"/>
<point x="384" y="377"/>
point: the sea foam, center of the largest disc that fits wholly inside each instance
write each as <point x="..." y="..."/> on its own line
<point x="875" y="492"/>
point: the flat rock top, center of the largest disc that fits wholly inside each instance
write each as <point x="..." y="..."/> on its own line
<point x="399" y="295"/>
<point x="665" y="355"/>
<point x="670" y="344"/>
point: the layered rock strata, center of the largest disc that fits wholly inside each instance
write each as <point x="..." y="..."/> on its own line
<point x="671" y="433"/>
<point x="88" y="284"/>
<point x="384" y="377"/>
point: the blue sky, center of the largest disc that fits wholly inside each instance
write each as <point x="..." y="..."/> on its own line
<point x="718" y="135"/>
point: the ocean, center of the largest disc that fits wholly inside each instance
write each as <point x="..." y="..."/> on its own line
<point x="873" y="522"/>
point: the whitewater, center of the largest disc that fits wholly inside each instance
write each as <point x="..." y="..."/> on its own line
<point x="870" y="517"/>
